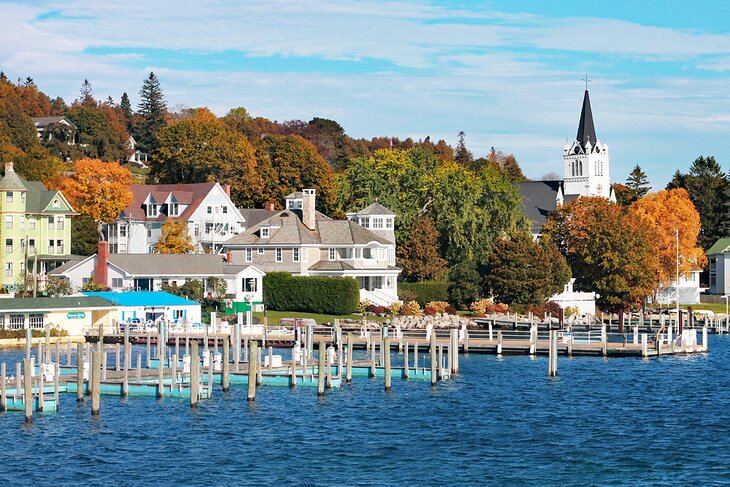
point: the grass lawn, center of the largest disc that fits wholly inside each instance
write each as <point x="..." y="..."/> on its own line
<point x="276" y="316"/>
<point x="714" y="307"/>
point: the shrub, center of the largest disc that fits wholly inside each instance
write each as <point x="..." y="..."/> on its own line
<point x="423" y="292"/>
<point x="327" y="295"/>
<point x="410" y="308"/>
<point x="362" y="307"/>
<point x="394" y="308"/>
<point x="487" y="306"/>
<point x="429" y="310"/>
<point x="438" y="306"/>
<point x="450" y="310"/>
<point x="375" y="309"/>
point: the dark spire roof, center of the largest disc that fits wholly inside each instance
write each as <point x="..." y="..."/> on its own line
<point x="586" y="130"/>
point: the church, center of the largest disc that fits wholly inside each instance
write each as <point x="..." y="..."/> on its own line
<point x="585" y="169"/>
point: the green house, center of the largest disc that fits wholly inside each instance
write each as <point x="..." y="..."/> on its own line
<point x="35" y="229"/>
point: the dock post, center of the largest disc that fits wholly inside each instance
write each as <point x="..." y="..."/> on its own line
<point x="28" y="391"/>
<point x="117" y="353"/>
<point x="103" y="365"/>
<point x="28" y="343"/>
<point x="500" y="342"/>
<point x="271" y="359"/>
<point x="350" y="349"/>
<point x="95" y="382"/>
<point x="2" y="388"/>
<point x="259" y="366"/>
<point x="433" y="359"/>
<point x="553" y="354"/>
<point x="644" y="345"/>
<point x="252" y="371"/>
<point x="149" y="351"/>
<point x="441" y="362"/>
<point x="386" y="360"/>
<point x="704" y="338"/>
<point x="40" y="387"/>
<point x="636" y="334"/>
<point x="47" y="358"/>
<point x="604" y="341"/>
<point x="161" y="380"/>
<point x="372" y="360"/>
<point x="533" y="340"/>
<point x="449" y="351"/>
<point x="293" y="381"/>
<point x="194" y="375"/>
<point x="56" y="385"/>
<point x="177" y="346"/>
<point x="415" y="356"/>
<point x="406" y="370"/>
<point x="68" y="354"/>
<point x="127" y="362"/>
<point x="320" y="369"/>
<point x="491" y="336"/>
<point x="173" y="363"/>
<point x="79" y="372"/>
<point x="101" y="337"/>
<point x="210" y="379"/>
<point x="225" y="379"/>
<point x="139" y="366"/>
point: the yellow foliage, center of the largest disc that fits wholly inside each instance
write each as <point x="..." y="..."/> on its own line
<point x="410" y="308"/>
<point x="174" y="238"/>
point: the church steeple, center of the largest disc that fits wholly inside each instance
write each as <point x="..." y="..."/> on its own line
<point x="586" y="130"/>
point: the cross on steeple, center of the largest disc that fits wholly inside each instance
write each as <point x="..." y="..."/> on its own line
<point x="586" y="80"/>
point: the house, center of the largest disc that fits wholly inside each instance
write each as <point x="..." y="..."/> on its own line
<point x="47" y="126"/>
<point x="207" y="209"/>
<point x="74" y="314"/>
<point x="304" y="242"/>
<point x="585" y="169"/>
<point x="36" y="229"/>
<point x="136" y="156"/>
<point x="688" y="292"/>
<point x="148" y="272"/>
<point x="719" y="258"/>
<point x="583" y="300"/>
<point x="151" y="306"/>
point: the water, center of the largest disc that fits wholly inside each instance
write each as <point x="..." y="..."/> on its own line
<point x="501" y="421"/>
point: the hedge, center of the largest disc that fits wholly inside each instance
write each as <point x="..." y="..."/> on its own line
<point x="324" y="295"/>
<point x="423" y="292"/>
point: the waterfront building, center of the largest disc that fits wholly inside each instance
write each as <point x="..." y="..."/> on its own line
<point x="719" y="258"/>
<point x="75" y="315"/>
<point x="36" y="229"/>
<point x="143" y="306"/>
<point x="206" y="208"/>
<point x="305" y="242"/>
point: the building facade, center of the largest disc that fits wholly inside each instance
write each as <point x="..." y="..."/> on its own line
<point x="719" y="258"/>
<point x="36" y="229"/>
<point x="304" y="242"/>
<point x="207" y="209"/>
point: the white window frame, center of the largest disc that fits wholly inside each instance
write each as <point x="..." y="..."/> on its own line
<point x="279" y="254"/>
<point x="265" y="233"/>
<point x="117" y="282"/>
<point x="60" y="222"/>
<point x="8" y="196"/>
<point x="249" y="254"/>
<point x="332" y="254"/>
<point x="9" y="222"/>
<point x="295" y="255"/>
<point x="260" y="251"/>
<point x="8" y="269"/>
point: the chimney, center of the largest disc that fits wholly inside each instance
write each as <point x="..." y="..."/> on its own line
<point x="101" y="271"/>
<point x="9" y="167"/>
<point x="227" y="189"/>
<point x="229" y="257"/>
<point x="308" y="211"/>
<point x="269" y="206"/>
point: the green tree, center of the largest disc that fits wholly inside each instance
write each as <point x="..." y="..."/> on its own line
<point x="419" y="255"/>
<point x="463" y="155"/>
<point x="126" y="107"/>
<point x="37" y="165"/>
<point x="465" y="284"/>
<point x="101" y="131"/>
<point x="84" y="235"/>
<point x="57" y="287"/>
<point x="153" y="110"/>
<point x="174" y="238"/>
<point x="637" y="185"/>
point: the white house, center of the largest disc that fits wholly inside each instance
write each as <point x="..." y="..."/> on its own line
<point x="136" y="156"/>
<point x="304" y="242"/>
<point x="584" y="301"/>
<point x="689" y="290"/>
<point x="151" y="306"/>
<point x="719" y="257"/>
<point x="207" y="209"/>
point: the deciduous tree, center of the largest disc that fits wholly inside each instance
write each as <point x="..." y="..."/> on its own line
<point x="419" y="254"/>
<point x="174" y="238"/>
<point x="465" y="284"/>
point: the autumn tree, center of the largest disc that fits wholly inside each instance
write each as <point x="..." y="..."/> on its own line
<point x="663" y="213"/>
<point x="202" y="149"/>
<point x="463" y="155"/>
<point x="609" y="250"/>
<point x="96" y="189"/>
<point x="419" y="254"/>
<point x="174" y="238"/>
<point x="152" y="110"/>
<point x="521" y="270"/>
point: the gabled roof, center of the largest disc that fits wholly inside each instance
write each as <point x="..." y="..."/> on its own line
<point x="375" y="209"/>
<point x="43" y="122"/>
<point x="191" y="195"/>
<point x="346" y="232"/>
<point x="44" y="304"/>
<point x="720" y="247"/>
<point x="586" y="130"/>
<point x="254" y="216"/>
<point x="539" y="199"/>
<point x="144" y="298"/>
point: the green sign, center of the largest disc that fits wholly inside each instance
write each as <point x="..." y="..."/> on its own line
<point x="75" y="315"/>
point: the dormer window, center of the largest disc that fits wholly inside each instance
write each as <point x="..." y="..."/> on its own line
<point x="151" y="210"/>
<point x="174" y="209"/>
<point x="365" y="222"/>
<point x="264" y="233"/>
<point x="377" y="222"/>
<point x="388" y="223"/>
<point x="293" y="204"/>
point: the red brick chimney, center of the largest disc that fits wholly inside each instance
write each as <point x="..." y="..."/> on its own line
<point x="101" y="272"/>
<point x="269" y="206"/>
<point x="229" y="257"/>
<point x="227" y="189"/>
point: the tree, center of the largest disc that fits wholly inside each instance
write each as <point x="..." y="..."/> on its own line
<point x="126" y="106"/>
<point x="174" y="238"/>
<point x="84" y="236"/>
<point x="102" y="131"/>
<point x="99" y="190"/>
<point x="57" y="287"/>
<point x="708" y="189"/>
<point x="463" y="155"/>
<point x="419" y="256"/>
<point x="465" y="284"/>
<point x="520" y="270"/>
<point x="153" y="109"/>
<point x="638" y="183"/>
<point x="87" y="95"/>
<point x="217" y="287"/>
<point x="663" y="213"/>
<point x="609" y="250"/>
<point x="37" y="165"/>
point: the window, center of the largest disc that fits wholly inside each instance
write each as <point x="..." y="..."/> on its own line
<point x="333" y="254"/>
<point x="60" y="222"/>
<point x="31" y="224"/>
<point x="249" y="284"/>
<point x="8" y="269"/>
<point x="264" y="233"/>
<point x="152" y="210"/>
<point x="22" y="197"/>
<point x="260" y="251"/>
<point x="113" y="248"/>
<point x="9" y="197"/>
<point x="388" y="223"/>
<point x="377" y="222"/>
<point x="56" y="204"/>
<point x="365" y="222"/>
<point x="196" y="230"/>
<point x="85" y="280"/>
<point x="8" y="221"/>
<point x="249" y="255"/>
<point x="117" y="282"/>
<point x="174" y="208"/>
<point x="208" y="228"/>
<point x="279" y="255"/>
<point x="209" y="210"/>
<point x="224" y="209"/>
<point x="8" y="245"/>
<point x="295" y="255"/>
<point x="17" y="322"/>
<point x="149" y="232"/>
<point x="59" y="247"/>
<point x="122" y="231"/>
<point x="51" y="246"/>
<point x="51" y="223"/>
<point x="31" y="245"/>
<point x="390" y="282"/>
<point x="35" y="321"/>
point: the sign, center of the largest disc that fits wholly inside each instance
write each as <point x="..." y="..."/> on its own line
<point x="75" y="315"/>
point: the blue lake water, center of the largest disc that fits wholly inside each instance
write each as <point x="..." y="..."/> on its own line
<point x="619" y="421"/>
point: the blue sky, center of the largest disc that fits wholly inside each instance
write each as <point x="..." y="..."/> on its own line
<point x="508" y="73"/>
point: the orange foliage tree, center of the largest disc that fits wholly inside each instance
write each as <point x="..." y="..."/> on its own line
<point x="99" y="190"/>
<point x="663" y="213"/>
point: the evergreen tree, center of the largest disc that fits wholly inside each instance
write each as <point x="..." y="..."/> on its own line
<point x="126" y="106"/>
<point x="463" y="155"/>
<point x="152" y="109"/>
<point x="638" y="183"/>
<point x="87" y="95"/>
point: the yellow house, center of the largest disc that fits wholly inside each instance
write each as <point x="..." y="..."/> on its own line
<point x="75" y="315"/>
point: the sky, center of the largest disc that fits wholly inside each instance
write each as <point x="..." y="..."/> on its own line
<point x="509" y="73"/>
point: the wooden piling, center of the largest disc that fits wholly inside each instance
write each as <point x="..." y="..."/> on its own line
<point x="499" y="342"/>
<point x="101" y="337"/>
<point x="415" y="356"/>
<point x="68" y="354"/>
<point x="104" y="359"/>
<point x="225" y="376"/>
<point x="95" y="385"/>
<point x="3" y="403"/>
<point x="56" y="382"/>
<point x="406" y="370"/>
<point x="40" y="387"/>
<point x="259" y="366"/>
<point x="553" y="354"/>
<point x="320" y="369"/>
<point x="350" y="350"/>
<point x="293" y="382"/>
<point x="47" y="357"/>
<point x="252" y="371"/>
<point x="194" y="374"/>
<point x="441" y="361"/>
<point x="79" y="372"/>
<point x="372" y="360"/>
<point x="604" y="341"/>
<point x="28" y="391"/>
<point x="210" y="379"/>
<point x="161" y="380"/>
<point x="433" y="359"/>
<point x="139" y="366"/>
<point x="644" y="345"/>
<point x="149" y="351"/>
<point x="386" y="362"/>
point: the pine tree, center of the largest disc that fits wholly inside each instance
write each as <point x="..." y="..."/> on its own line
<point x="638" y="183"/>
<point x="152" y="108"/>
<point x="126" y="106"/>
<point x="87" y="95"/>
<point x="463" y="155"/>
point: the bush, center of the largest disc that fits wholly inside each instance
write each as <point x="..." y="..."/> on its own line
<point x="410" y="308"/>
<point x="487" y="306"/>
<point x="326" y="295"/>
<point x="450" y="310"/>
<point x="438" y="306"/>
<point x="375" y="309"/>
<point x="423" y="292"/>
<point x="394" y="308"/>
